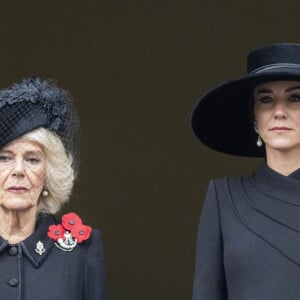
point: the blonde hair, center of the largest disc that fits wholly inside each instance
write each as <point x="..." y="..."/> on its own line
<point x="59" y="173"/>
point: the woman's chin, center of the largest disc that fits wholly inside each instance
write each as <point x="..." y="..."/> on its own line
<point x="282" y="146"/>
<point x="16" y="204"/>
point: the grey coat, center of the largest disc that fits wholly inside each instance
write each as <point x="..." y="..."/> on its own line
<point x="248" y="246"/>
<point x="55" y="274"/>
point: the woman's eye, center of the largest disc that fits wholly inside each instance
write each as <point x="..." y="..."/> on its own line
<point x="294" y="98"/>
<point x="4" y="158"/>
<point x="265" y="99"/>
<point x="33" y="160"/>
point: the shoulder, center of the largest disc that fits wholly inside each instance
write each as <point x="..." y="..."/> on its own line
<point x="217" y="185"/>
<point x="222" y="184"/>
<point x="95" y="238"/>
<point x="220" y="190"/>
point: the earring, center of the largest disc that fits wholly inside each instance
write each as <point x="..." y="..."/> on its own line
<point x="259" y="142"/>
<point x="45" y="193"/>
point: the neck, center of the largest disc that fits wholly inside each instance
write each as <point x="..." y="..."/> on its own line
<point x="283" y="162"/>
<point x="16" y="226"/>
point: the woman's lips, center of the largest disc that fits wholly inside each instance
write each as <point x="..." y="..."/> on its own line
<point x="17" y="189"/>
<point x="280" y="129"/>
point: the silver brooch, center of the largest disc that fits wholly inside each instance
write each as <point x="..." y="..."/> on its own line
<point x="40" y="249"/>
<point x="66" y="244"/>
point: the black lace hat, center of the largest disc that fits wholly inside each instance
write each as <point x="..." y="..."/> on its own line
<point x="35" y="103"/>
<point x="221" y="118"/>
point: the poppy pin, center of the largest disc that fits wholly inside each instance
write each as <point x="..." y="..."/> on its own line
<point x="70" y="233"/>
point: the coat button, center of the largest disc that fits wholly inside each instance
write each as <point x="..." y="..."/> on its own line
<point x="13" y="251"/>
<point x="13" y="282"/>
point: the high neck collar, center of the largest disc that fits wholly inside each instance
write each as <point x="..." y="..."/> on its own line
<point x="295" y="174"/>
<point x="277" y="185"/>
<point x="268" y="204"/>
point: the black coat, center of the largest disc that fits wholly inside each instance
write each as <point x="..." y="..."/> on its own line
<point x="55" y="274"/>
<point x="248" y="245"/>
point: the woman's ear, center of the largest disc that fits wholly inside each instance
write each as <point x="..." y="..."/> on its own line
<point x="255" y="126"/>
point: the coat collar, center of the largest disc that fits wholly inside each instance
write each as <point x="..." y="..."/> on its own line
<point x="29" y="245"/>
<point x="278" y="186"/>
<point x="267" y="204"/>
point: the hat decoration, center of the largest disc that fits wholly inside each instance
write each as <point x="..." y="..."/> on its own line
<point x="35" y="103"/>
<point x="52" y="99"/>
<point x="222" y="118"/>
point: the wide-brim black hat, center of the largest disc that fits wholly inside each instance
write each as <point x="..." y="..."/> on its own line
<point x="221" y="119"/>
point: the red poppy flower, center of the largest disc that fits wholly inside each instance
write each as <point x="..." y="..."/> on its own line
<point x="73" y="224"/>
<point x="56" y="232"/>
<point x="81" y="232"/>
<point x="70" y="221"/>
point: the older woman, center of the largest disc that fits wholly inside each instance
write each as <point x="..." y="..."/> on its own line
<point x="41" y="258"/>
<point x="248" y="244"/>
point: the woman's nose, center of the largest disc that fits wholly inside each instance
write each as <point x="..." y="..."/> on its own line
<point x="18" y="168"/>
<point x="280" y="111"/>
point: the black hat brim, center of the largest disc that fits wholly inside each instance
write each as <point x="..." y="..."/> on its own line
<point x="221" y="119"/>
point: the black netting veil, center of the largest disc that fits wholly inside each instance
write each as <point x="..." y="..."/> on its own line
<point x="35" y="103"/>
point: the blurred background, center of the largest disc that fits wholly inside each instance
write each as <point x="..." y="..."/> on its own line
<point x="136" y="68"/>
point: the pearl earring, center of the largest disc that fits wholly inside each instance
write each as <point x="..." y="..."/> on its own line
<point x="45" y="193"/>
<point x="259" y="142"/>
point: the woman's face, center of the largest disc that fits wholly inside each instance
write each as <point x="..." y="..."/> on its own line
<point x="277" y="114"/>
<point x="22" y="174"/>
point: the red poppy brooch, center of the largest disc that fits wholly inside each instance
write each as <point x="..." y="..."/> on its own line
<point x="70" y="233"/>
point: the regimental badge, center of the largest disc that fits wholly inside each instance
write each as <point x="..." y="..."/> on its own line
<point x="67" y="243"/>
